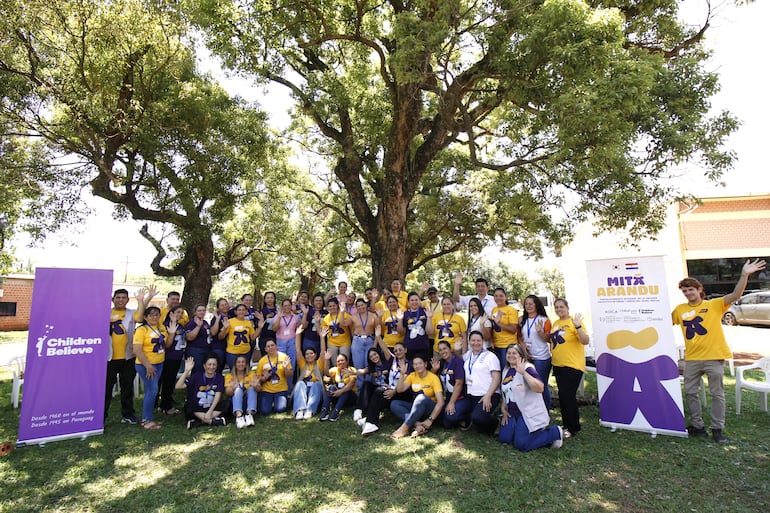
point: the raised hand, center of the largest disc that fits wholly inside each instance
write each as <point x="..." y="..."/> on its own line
<point x="577" y="319"/>
<point x="751" y="267"/>
<point x="459" y="279"/>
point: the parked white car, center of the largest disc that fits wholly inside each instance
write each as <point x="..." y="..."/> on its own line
<point x="752" y="308"/>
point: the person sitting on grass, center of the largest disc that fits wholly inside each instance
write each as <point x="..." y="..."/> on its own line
<point x="204" y="403"/>
<point x="238" y="386"/>
<point x="341" y="391"/>
<point x="273" y="373"/>
<point x="309" y="390"/>
<point x="428" y="401"/>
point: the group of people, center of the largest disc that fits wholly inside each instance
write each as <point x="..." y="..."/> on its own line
<point x="421" y="359"/>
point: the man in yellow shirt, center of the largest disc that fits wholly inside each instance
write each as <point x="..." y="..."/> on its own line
<point x="120" y="366"/>
<point x="706" y="348"/>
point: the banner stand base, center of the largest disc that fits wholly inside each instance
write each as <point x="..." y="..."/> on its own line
<point x="652" y="431"/>
<point x="42" y="441"/>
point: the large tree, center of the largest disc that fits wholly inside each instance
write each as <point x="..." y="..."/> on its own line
<point x="452" y="123"/>
<point x="113" y="87"/>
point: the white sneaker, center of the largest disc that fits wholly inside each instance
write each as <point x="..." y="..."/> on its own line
<point x="299" y="415"/>
<point x="369" y="428"/>
<point x="358" y="413"/>
<point x="361" y="422"/>
<point x="556" y="444"/>
<point x="249" y="419"/>
<point x="308" y="414"/>
<point x="240" y="422"/>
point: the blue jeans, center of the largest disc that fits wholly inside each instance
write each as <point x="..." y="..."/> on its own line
<point x="288" y="346"/>
<point x="307" y="396"/>
<point x="315" y="344"/>
<point x="358" y="349"/>
<point x="270" y="402"/>
<point x="348" y="397"/>
<point x="251" y="400"/>
<point x="198" y="354"/>
<point x="412" y="412"/>
<point x="543" y="368"/>
<point x="463" y="408"/>
<point x="500" y="353"/>
<point x="150" y="388"/>
<point x="516" y="432"/>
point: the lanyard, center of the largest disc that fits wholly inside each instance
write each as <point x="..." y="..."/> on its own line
<point x="363" y="324"/>
<point x="529" y="326"/>
<point x="472" y="361"/>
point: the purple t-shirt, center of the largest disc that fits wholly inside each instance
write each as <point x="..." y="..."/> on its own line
<point x="201" y="341"/>
<point x="415" y="322"/>
<point x="450" y="372"/>
<point x="201" y="390"/>
<point x="176" y="351"/>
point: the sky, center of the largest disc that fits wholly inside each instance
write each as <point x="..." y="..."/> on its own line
<point x="736" y="36"/>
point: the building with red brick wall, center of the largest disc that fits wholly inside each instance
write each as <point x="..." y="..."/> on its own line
<point x="16" y="301"/>
<point x="719" y="234"/>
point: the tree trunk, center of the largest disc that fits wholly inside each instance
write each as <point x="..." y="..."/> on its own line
<point x="197" y="274"/>
<point x="388" y="242"/>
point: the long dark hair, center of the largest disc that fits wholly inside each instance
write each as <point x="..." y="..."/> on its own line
<point x="539" y="308"/>
<point x="480" y="307"/>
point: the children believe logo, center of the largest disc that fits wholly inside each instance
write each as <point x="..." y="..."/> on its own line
<point x="57" y="346"/>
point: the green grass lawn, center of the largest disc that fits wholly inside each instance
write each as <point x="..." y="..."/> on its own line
<point x="13" y="336"/>
<point x="285" y="465"/>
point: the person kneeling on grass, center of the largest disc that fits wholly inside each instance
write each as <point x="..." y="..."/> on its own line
<point x="525" y="417"/>
<point x="204" y="403"/>
<point x="428" y="401"/>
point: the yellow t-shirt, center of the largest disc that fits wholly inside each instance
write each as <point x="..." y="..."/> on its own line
<point x="277" y="382"/>
<point x="390" y="322"/>
<point x="566" y="349"/>
<point x="435" y="307"/>
<point x="702" y="330"/>
<point x="430" y="385"/>
<point x="232" y="381"/>
<point x="403" y="299"/>
<point x="504" y="338"/>
<point x="447" y="328"/>
<point x="340" y="380"/>
<point x="151" y="342"/>
<point x="239" y="336"/>
<point x="119" y="333"/>
<point x="339" y="335"/>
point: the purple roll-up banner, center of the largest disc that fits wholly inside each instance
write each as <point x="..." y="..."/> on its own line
<point x="67" y="353"/>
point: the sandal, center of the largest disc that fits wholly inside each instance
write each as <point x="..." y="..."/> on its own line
<point x="150" y="425"/>
<point x="566" y="434"/>
<point x="172" y="411"/>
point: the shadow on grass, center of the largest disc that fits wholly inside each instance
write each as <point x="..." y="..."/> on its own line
<point x="283" y="465"/>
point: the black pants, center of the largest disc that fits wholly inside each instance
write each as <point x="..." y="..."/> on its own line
<point x="123" y="372"/>
<point x="484" y="421"/>
<point x="167" y="383"/>
<point x="568" y="381"/>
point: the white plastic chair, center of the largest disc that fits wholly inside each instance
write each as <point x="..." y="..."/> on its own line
<point x="17" y="365"/>
<point x="763" y="387"/>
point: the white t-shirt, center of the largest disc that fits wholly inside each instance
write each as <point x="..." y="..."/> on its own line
<point x="478" y="371"/>
<point x="488" y="302"/>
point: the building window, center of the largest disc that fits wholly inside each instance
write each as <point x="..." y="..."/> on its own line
<point x="7" y="309"/>
<point x="719" y="275"/>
